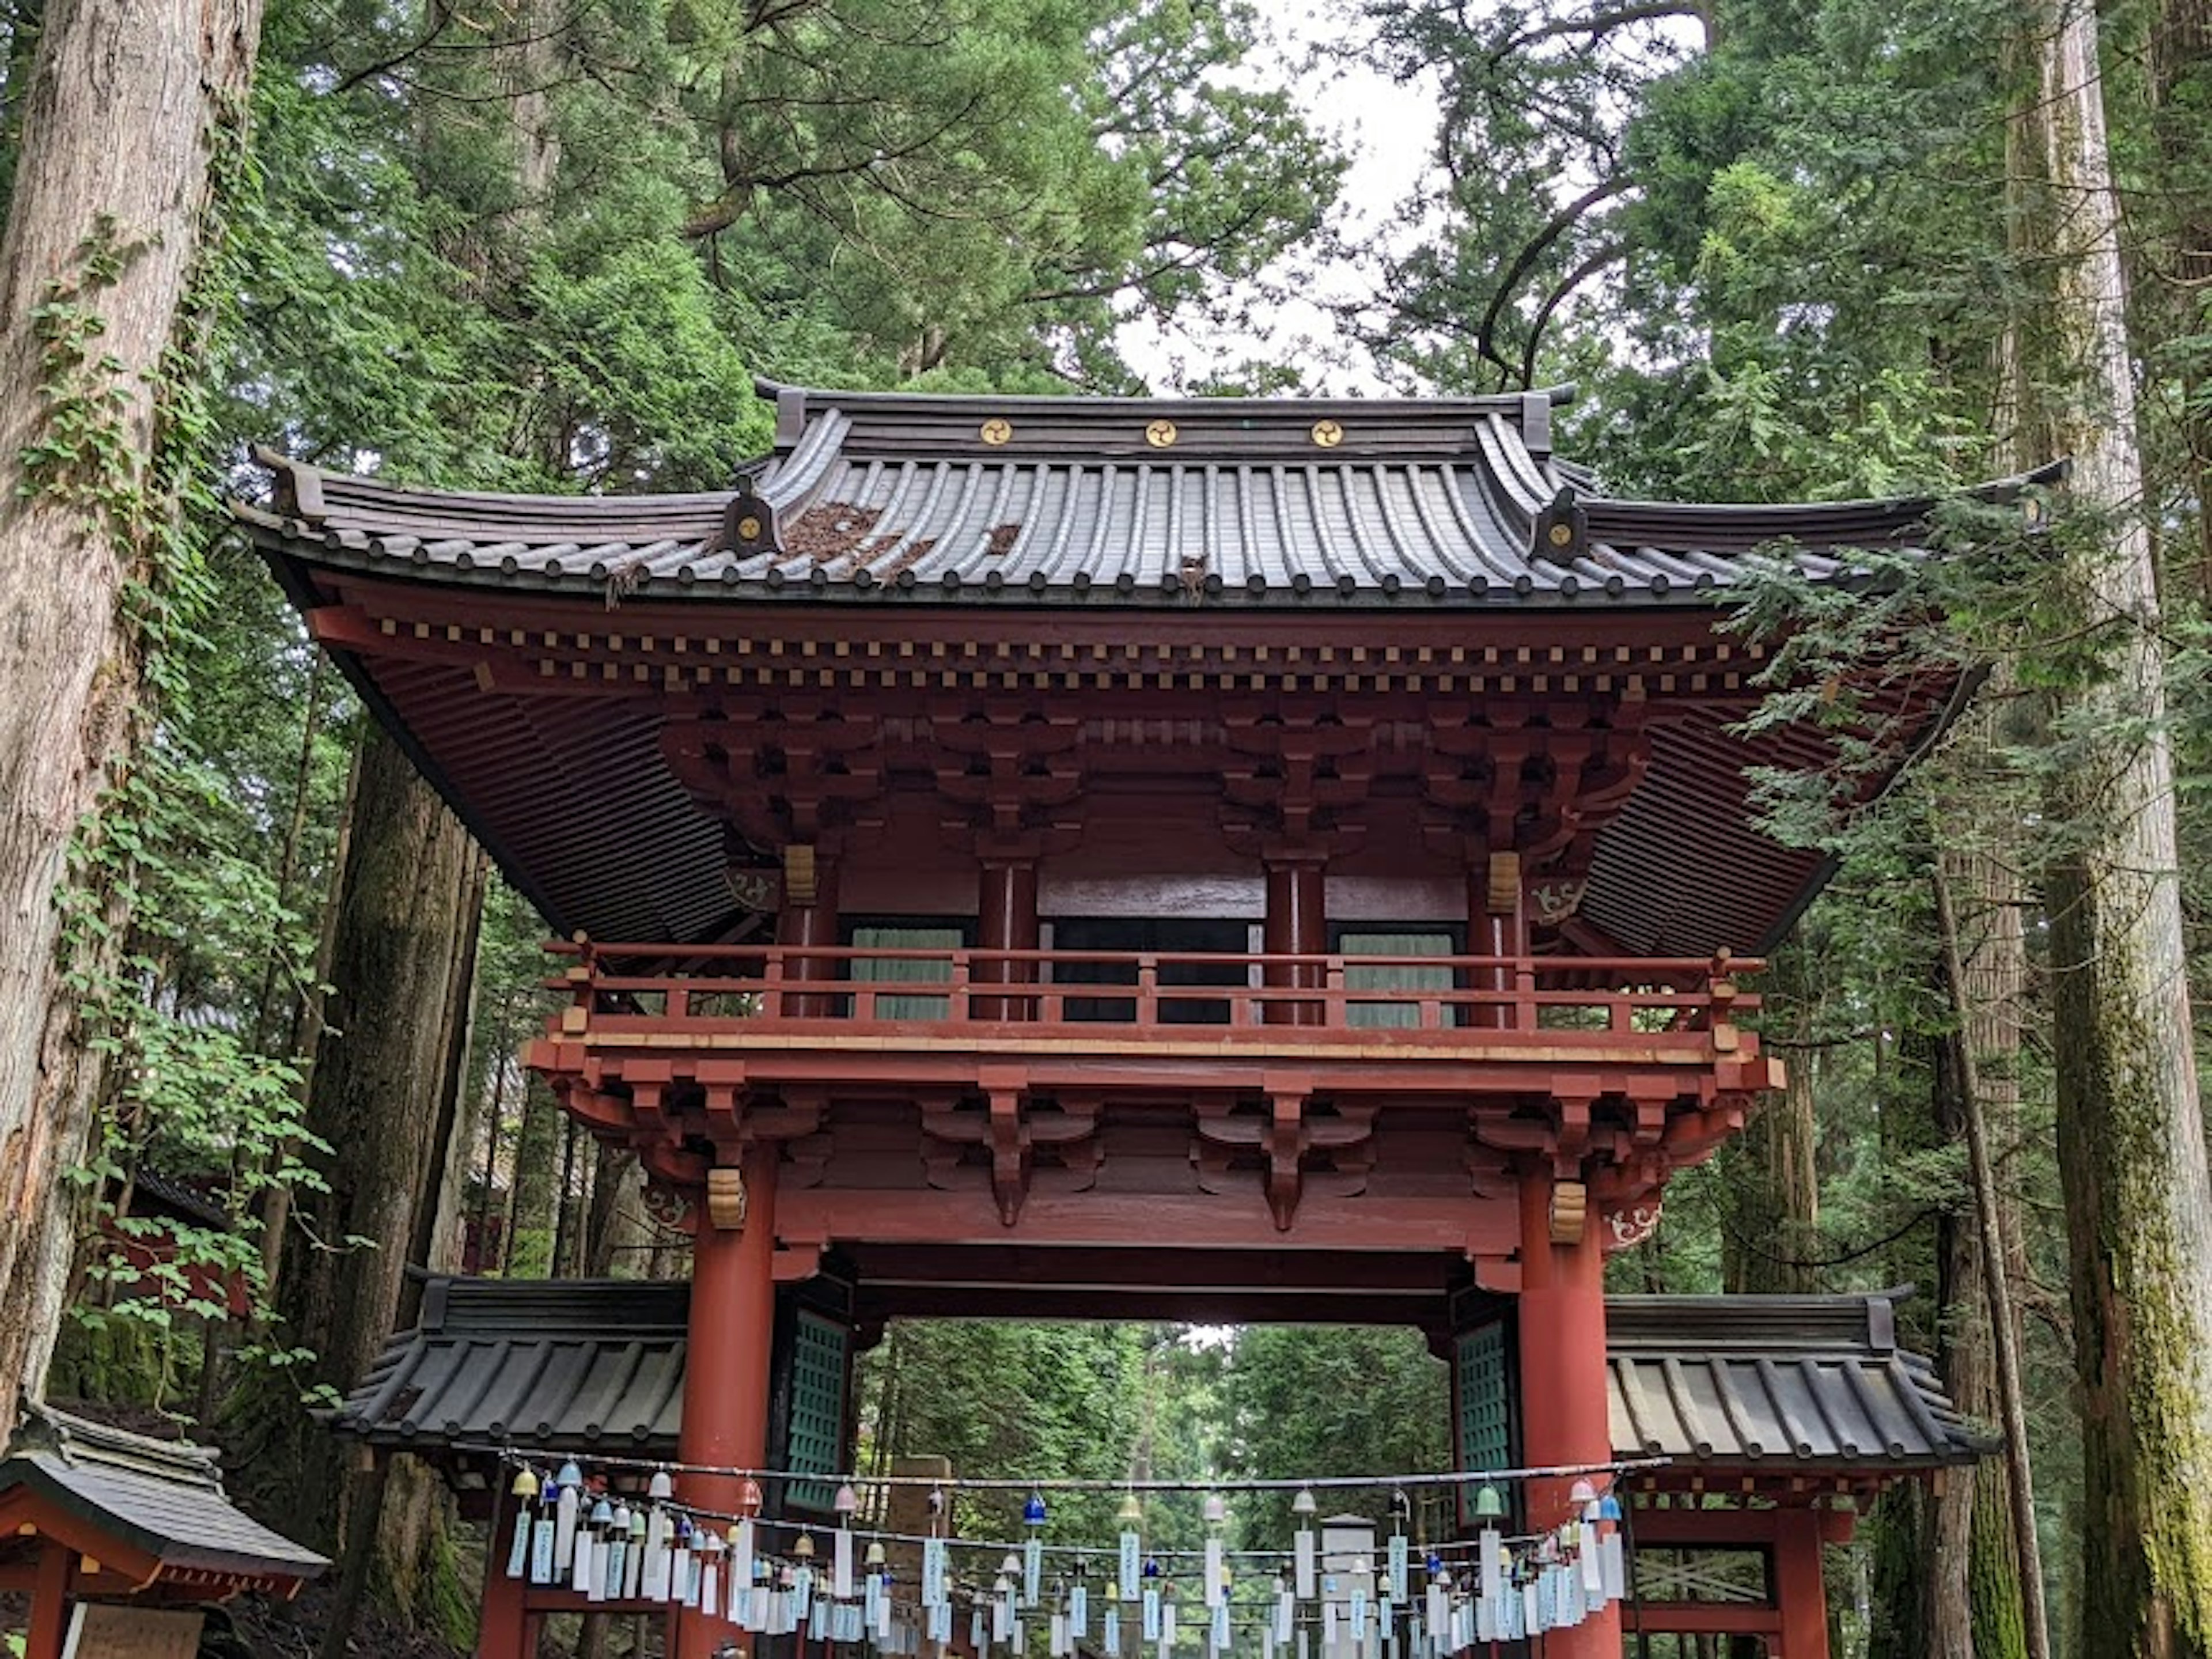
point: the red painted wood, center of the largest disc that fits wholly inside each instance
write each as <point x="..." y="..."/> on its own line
<point x="1508" y="990"/>
<point x="1688" y="1528"/>
<point x="504" y="1626"/>
<point x="1707" y="1618"/>
<point x="1018" y="627"/>
<point x="1561" y="1340"/>
<point x="50" y="1601"/>
<point x="1467" y="1227"/>
<point x="726" y="1376"/>
<point x="1797" y="1587"/>
<point x="1297" y="936"/>
<point x="803" y="926"/>
<point x="1006" y="923"/>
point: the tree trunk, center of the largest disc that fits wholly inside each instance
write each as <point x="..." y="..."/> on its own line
<point x="132" y="106"/>
<point x="1904" y="1519"/>
<point x="616" y="1236"/>
<point x="533" y="1201"/>
<point x="2131" y="1126"/>
<point x="1774" y="1232"/>
<point x="2181" y="79"/>
<point x="1990" y="1599"/>
<point x="377" y="1095"/>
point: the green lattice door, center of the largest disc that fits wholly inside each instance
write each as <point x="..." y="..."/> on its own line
<point x="814" y="1433"/>
<point x="1484" y="1388"/>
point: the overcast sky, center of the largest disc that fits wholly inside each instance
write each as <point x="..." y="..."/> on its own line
<point x="1388" y="130"/>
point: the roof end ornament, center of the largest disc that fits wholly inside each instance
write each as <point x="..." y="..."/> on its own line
<point x="1561" y="534"/>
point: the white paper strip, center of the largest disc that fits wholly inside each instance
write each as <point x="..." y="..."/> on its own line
<point x="518" y="1558"/>
<point x="840" y="1568"/>
<point x="741" y="1557"/>
<point x="541" y="1547"/>
<point x="1302" y="1555"/>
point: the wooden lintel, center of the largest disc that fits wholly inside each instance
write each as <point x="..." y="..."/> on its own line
<point x="1468" y="1227"/>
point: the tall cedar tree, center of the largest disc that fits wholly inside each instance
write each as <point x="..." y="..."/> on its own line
<point x="2131" y="1142"/>
<point x="131" y="102"/>
<point x="379" y="1097"/>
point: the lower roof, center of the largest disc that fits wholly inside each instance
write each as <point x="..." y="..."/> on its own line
<point x="162" y="1498"/>
<point x="1792" y="1384"/>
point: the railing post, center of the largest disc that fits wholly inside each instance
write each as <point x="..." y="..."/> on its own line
<point x="1147" y="1010"/>
<point x="808" y="918"/>
<point x="1007" y="915"/>
<point x="1297" y="925"/>
<point x="1498" y="927"/>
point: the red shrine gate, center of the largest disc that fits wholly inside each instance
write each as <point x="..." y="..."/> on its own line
<point x="1105" y="857"/>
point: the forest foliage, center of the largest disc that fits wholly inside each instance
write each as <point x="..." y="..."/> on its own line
<point x="1786" y="248"/>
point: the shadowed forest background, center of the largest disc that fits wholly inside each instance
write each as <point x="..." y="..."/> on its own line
<point x="1786" y="249"/>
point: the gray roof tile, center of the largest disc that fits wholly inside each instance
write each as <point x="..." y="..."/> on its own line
<point x="899" y="497"/>
<point x="1713" y="1382"/>
<point x="165" y="1498"/>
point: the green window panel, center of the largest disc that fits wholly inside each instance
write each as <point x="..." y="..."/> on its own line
<point x="1395" y="976"/>
<point x="815" y="1439"/>
<point x="1485" y="1399"/>
<point x="890" y="971"/>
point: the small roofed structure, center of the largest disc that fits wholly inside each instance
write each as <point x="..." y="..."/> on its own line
<point x="1740" y="1393"/>
<point x="91" y="1516"/>
<point x="1781" y="1417"/>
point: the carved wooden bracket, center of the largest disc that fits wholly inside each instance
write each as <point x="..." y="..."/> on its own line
<point x="794" y="772"/>
<point x="1010" y="769"/>
<point x="1624" y="1228"/>
<point x="668" y="1206"/>
<point x="1299" y="772"/>
<point x="1011" y="1133"/>
<point x="1284" y="1136"/>
<point x="1569" y="1211"/>
<point x="1540" y="779"/>
<point x="726" y="1199"/>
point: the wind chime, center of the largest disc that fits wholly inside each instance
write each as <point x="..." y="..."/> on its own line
<point x="580" y="1533"/>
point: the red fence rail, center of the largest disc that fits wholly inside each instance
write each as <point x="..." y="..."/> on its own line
<point x="870" y="989"/>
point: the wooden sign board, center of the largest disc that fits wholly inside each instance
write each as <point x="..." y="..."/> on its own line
<point x="115" y="1632"/>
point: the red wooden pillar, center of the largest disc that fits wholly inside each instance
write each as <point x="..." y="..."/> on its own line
<point x="503" y="1625"/>
<point x="1561" y="1333"/>
<point x="50" y="1601"/>
<point x="1496" y="927"/>
<point x="809" y="917"/>
<point x="1006" y="912"/>
<point x="728" y="1352"/>
<point x="1798" y="1591"/>
<point x="1297" y="925"/>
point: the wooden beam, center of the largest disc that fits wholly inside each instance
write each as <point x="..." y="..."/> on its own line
<point x="1467" y="1227"/>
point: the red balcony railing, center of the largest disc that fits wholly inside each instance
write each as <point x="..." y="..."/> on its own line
<point x="874" y="992"/>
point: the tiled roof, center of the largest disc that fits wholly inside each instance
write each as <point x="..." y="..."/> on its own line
<point x="1745" y="1381"/>
<point x="1103" y="500"/>
<point x="165" y="1498"/>
<point x="1712" y="1382"/>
